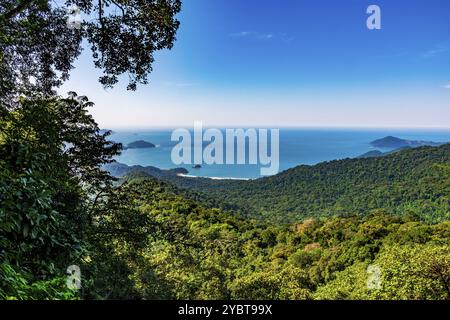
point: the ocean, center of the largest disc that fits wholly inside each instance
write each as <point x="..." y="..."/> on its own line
<point x="296" y="147"/>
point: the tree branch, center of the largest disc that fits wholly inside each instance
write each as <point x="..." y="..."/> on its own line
<point x="120" y="7"/>
<point x="100" y="13"/>
<point x="15" y="11"/>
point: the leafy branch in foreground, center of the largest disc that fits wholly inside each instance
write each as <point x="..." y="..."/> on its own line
<point x="50" y="156"/>
<point x="38" y="49"/>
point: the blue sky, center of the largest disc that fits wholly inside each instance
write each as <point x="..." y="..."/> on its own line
<point x="290" y="63"/>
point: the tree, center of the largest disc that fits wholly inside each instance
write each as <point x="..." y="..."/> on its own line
<point x="407" y="272"/>
<point x="419" y="271"/>
<point x="51" y="152"/>
<point x="38" y="48"/>
<point x="52" y="186"/>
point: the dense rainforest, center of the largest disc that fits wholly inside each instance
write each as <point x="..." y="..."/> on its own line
<point x="409" y="182"/>
<point x="350" y="229"/>
<point x="188" y="251"/>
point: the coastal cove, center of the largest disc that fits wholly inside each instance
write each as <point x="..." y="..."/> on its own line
<point x="297" y="146"/>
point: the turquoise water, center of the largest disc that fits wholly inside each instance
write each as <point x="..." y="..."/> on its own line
<point x="297" y="146"/>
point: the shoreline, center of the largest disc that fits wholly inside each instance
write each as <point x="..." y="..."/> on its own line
<point x="212" y="178"/>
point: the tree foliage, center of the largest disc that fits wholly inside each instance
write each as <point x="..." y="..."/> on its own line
<point x="50" y="157"/>
<point x="51" y="150"/>
<point x="147" y="239"/>
<point x="38" y="47"/>
<point x="411" y="182"/>
<point x="192" y="252"/>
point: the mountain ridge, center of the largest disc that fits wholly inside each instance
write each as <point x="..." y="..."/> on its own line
<point x="414" y="181"/>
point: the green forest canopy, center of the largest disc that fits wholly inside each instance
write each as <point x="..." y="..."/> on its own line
<point x="148" y="239"/>
<point x="410" y="182"/>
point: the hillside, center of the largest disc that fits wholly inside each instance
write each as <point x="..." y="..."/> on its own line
<point x="413" y="181"/>
<point x="175" y="248"/>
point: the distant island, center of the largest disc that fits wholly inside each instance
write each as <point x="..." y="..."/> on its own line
<point x="139" y="144"/>
<point x="120" y="170"/>
<point x="395" y="143"/>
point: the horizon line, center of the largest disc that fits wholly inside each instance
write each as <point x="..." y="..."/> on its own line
<point x="223" y="126"/>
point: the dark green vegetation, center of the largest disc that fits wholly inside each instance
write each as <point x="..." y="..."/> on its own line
<point x="409" y="182"/>
<point x="139" y="145"/>
<point x="51" y="150"/>
<point x="171" y="247"/>
<point x="395" y="143"/>
<point x="147" y="239"/>
<point x="35" y="41"/>
<point x="50" y="159"/>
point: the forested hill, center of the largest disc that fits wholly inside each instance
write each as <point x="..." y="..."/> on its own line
<point x="174" y="248"/>
<point x="413" y="181"/>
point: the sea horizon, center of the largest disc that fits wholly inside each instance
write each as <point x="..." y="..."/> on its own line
<point x="313" y="127"/>
<point x="298" y="146"/>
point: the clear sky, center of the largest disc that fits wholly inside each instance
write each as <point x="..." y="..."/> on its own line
<point x="289" y="63"/>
